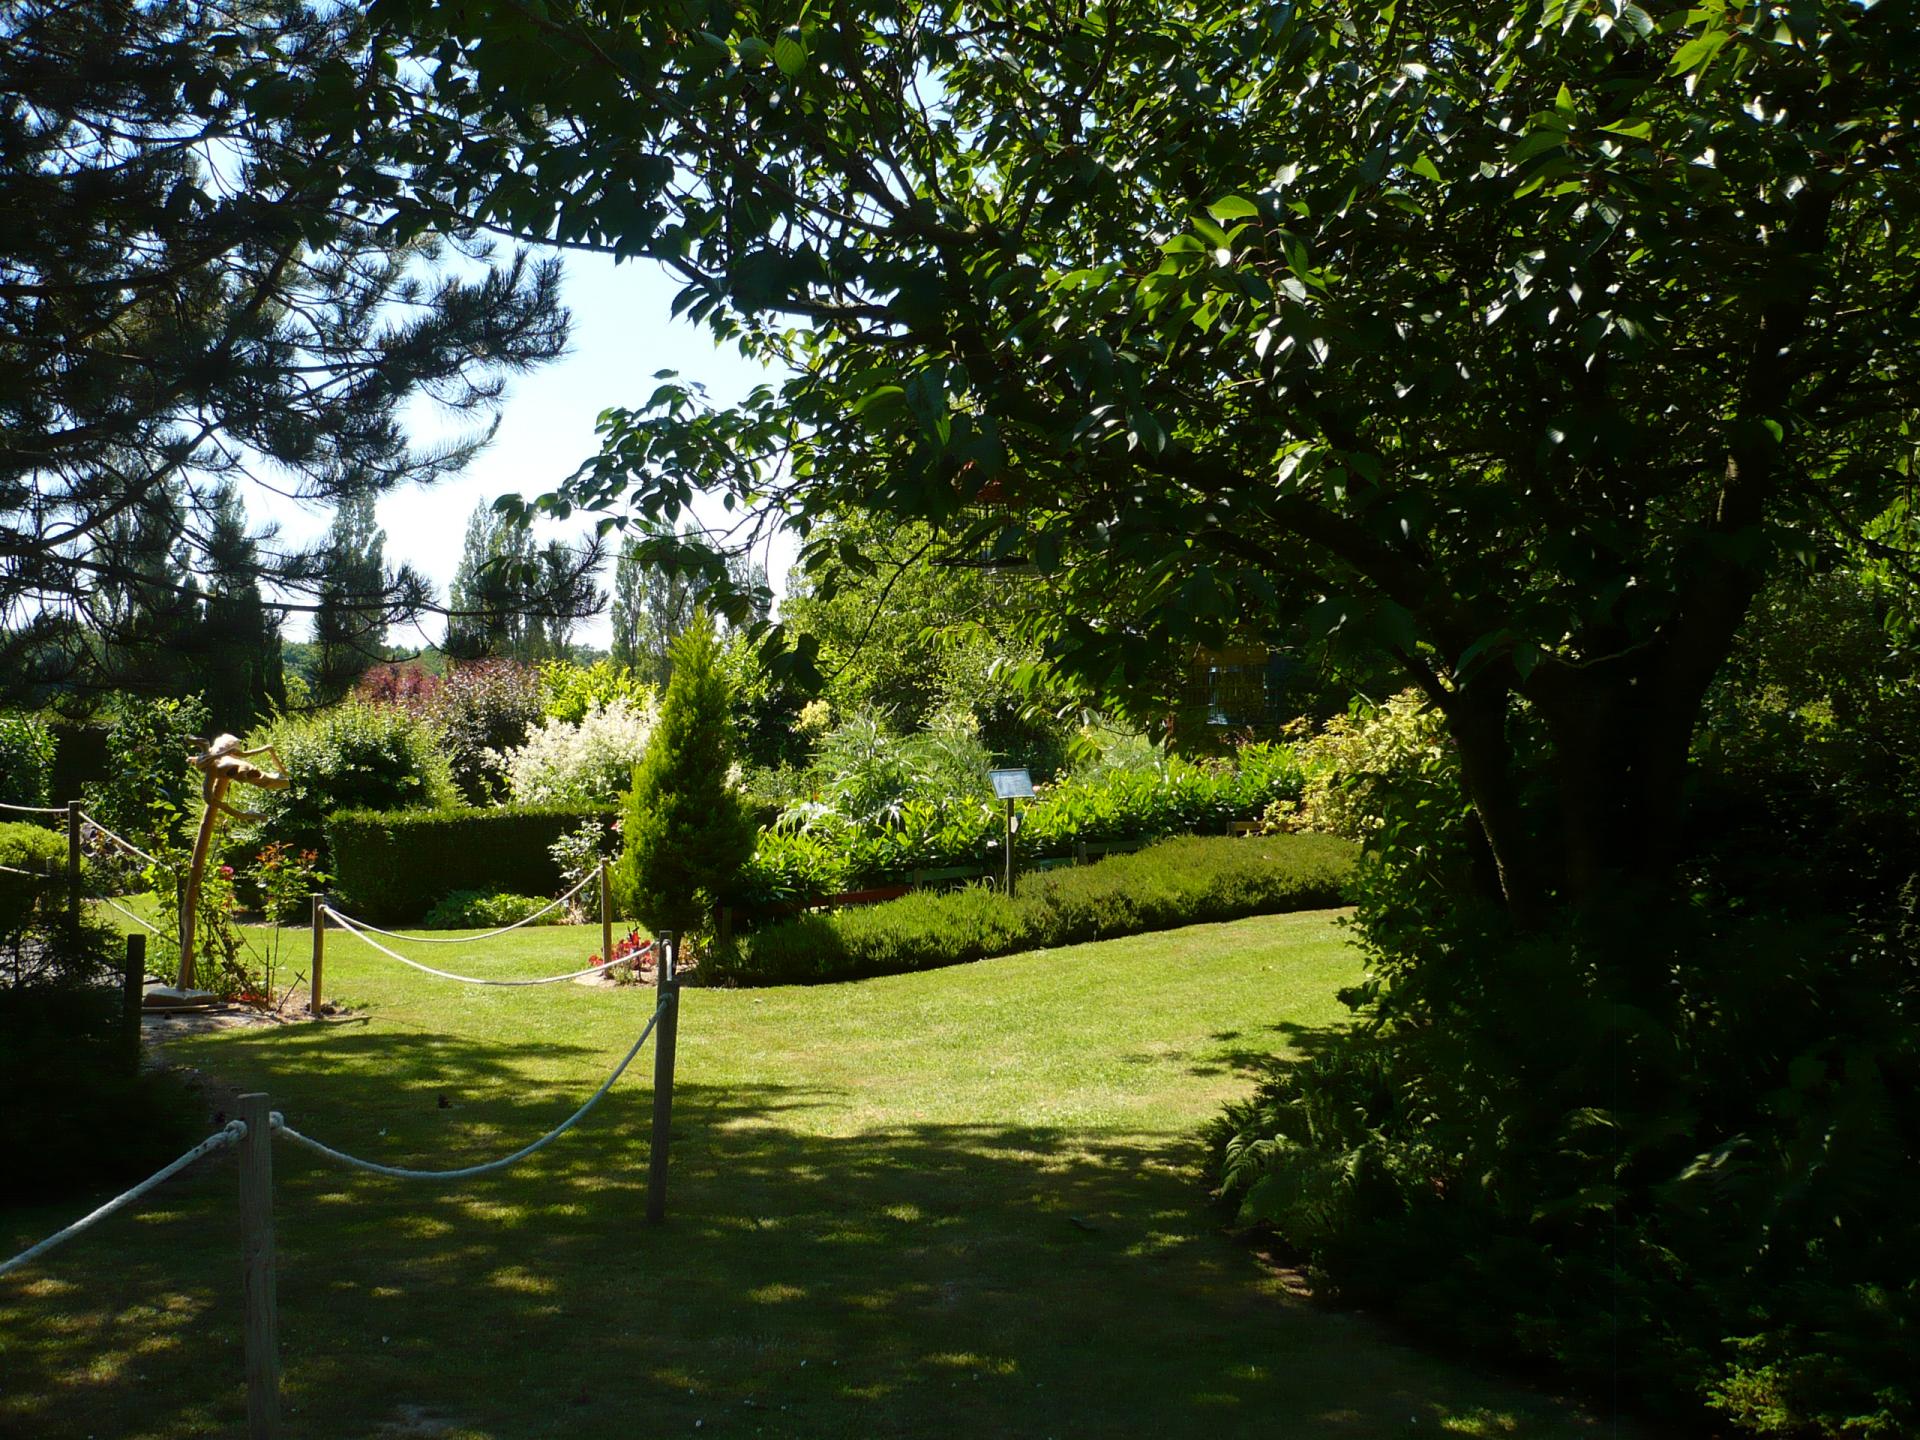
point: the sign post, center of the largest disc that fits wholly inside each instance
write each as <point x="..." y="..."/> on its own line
<point x="1009" y="786"/>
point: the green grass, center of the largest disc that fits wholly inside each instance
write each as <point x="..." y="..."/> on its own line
<point x="963" y="1202"/>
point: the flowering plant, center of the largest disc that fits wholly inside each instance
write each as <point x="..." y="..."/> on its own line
<point x="628" y="947"/>
<point x="592" y="761"/>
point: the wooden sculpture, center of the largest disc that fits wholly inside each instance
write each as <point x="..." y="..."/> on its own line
<point x="220" y="764"/>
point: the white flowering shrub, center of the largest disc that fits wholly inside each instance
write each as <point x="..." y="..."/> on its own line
<point x="591" y="761"/>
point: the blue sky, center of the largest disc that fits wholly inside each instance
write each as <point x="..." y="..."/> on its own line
<point x="622" y="333"/>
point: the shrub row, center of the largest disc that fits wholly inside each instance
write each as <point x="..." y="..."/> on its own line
<point x="1177" y="882"/>
<point x="391" y="865"/>
<point x="828" y="854"/>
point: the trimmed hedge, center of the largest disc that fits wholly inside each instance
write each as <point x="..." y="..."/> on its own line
<point x="1177" y="882"/>
<point x="393" y="865"/>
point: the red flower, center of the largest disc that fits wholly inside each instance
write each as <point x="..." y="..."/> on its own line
<point x="226" y="872"/>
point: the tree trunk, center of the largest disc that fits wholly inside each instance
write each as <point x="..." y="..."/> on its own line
<point x="1477" y="718"/>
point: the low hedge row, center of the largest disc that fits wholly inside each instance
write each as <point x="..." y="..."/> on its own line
<point x="394" y="865"/>
<point x="1177" y="882"/>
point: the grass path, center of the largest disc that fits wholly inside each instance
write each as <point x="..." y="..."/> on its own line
<point x="959" y="1203"/>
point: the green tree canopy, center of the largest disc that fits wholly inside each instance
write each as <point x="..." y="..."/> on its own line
<point x="206" y="286"/>
<point x="1520" y="343"/>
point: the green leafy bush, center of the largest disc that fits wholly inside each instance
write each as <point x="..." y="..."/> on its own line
<point x="26" y="758"/>
<point x="149" y="787"/>
<point x="389" y="866"/>
<point x="25" y="846"/>
<point x="487" y="909"/>
<point x="1178" y="882"/>
<point x="570" y="691"/>
<point x="1666" y="1143"/>
<point x="791" y="864"/>
<point x="485" y="708"/>
<point x="892" y="806"/>
<point x="351" y="756"/>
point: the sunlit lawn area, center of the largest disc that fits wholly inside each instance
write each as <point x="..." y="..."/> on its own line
<point x="965" y="1202"/>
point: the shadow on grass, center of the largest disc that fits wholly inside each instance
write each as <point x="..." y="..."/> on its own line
<point x="897" y="1281"/>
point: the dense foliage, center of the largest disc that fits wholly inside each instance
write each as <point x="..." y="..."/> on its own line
<point x="148" y="787"/>
<point x="26" y="758"/>
<point x="483" y="709"/>
<point x="38" y="850"/>
<point x="570" y="691"/>
<point x="79" y="1104"/>
<point x="881" y="807"/>
<point x="587" y="762"/>
<point x="1683" y="1178"/>
<point x="489" y="909"/>
<point x="1177" y="882"/>
<point x="346" y="757"/>
<point x="926" y="646"/>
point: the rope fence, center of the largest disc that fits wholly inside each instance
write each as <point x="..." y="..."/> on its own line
<point x="34" y="809"/>
<point x="253" y="1132"/>
<point x="467" y="1172"/>
<point x="120" y="840"/>
<point x="353" y="923"/>
<point x="233" y="1130"/>
<point x="357" y="929"/>
<point x="108" y="900"/>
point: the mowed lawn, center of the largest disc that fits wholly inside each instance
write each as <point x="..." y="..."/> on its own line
<point x="962" y="1203"/>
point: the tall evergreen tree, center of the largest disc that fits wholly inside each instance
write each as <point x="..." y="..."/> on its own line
<point x="686" y="832"/>
<point x="350" y="624"/>
<point x="240" y="633"/>
<point x="202" y="286"/>
<point x="147" y="605"/>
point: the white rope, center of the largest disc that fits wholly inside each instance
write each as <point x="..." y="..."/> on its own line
<point x="35" y="809"/>
<point x="119" y="840"/>
<point x="30" y="874"/>
<point x="465" y="939"/>
<point x="233" y="1131"/>
<point x="137" y="919"/>
<point x="467" y="1172"/>
<point x="471" y="979"/>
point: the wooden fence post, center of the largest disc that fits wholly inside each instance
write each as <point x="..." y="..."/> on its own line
<point x="133" y="979"/>
<point x="1009" y="854"/>
<point x="606" y="919"/>
<point x="666" y="1033"/>
<point x="319" y="953"/>
<point x="73" y="870"/>
<point x="185" y="921"/>
<point x="256" y="1272"/>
